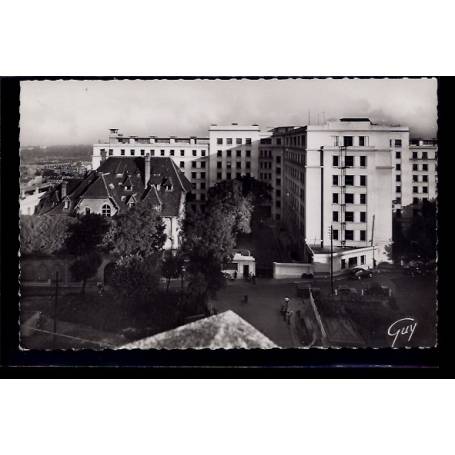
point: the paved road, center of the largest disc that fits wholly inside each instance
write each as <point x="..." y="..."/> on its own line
<point x="263" y="307"/>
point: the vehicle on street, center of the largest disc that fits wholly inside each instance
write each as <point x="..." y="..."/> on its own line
<point x="359" y="273"/>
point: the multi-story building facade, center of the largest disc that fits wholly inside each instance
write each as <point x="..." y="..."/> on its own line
<point x="338" y="180"/>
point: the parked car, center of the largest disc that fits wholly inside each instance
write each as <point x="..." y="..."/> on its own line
<point x="307" y="276"/>
<point x="358" y="273"/>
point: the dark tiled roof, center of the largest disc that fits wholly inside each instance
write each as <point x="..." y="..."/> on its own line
<point x="121" y="179"/>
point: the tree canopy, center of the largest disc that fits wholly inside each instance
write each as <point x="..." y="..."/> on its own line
<point x="44" y="234"/>
<point x="139" y="232"/>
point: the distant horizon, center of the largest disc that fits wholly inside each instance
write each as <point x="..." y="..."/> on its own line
<point x="78" y="112"/>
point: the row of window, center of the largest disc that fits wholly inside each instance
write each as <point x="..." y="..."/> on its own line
<point x="194" y="175"/>
<point x="349" y="217"/>
<point x="202" y="186"/>
<point x="349" y="180"/>
<point x="162" y="152"/>
<point x="230" y="141"/>
<point x="417" y="167"/>
<point x="265" y="165"/>
<point x="353" y="262"/>
<point x="219" y="175"/>
<point x="349" y="234"/>
<point x="349" y="161"/>
<point x="238" y="153"/>
<point x="349" y="198"/>
<point x="193" y="164"/>
<point x="424" y="178"/>
<point x="350" y="141"/>
<point x="415" y="156"/>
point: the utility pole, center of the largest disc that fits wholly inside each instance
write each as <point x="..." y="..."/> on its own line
<point x="331" y="257"/>
<point x="55" y="310"/>
<point x="372" y="243"/>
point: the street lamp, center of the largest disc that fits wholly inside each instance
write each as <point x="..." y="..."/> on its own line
<point x="331" y="257"/>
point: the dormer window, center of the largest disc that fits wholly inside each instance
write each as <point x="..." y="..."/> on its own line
<point x="128" y="187"/>
<point x="66" y="204"/>
<point x="106" y="210"/>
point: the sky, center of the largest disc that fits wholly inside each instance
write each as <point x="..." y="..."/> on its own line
<point x="81" y="112"/>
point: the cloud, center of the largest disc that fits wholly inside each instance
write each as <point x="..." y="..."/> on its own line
<point x="73" y="112"/>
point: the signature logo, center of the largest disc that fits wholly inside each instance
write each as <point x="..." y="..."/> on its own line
<point x="402" y="327"/>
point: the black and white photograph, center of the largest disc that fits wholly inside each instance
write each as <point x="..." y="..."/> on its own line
<point x="228" y="214"/>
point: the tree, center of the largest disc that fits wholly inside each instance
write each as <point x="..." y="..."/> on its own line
<point x="85" y="267"/>
<point x="44" y="234"/>
<point x="136" y="278"/>
<point x="171" y="267"/>
<point x="140" y="232"/>
<point x="85" y="242"/>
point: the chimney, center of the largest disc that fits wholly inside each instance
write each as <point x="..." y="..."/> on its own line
<point x="147" y="170"/>
<point x="64" y="188"/>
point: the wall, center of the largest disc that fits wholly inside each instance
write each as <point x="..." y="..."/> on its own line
<point x="95" y="206"/>
<point x="283" y="270"/>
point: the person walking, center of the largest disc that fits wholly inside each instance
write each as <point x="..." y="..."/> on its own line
<point x="289" y="314"/>
<point x="284" y="306"/>
<point x="253" y="278"/>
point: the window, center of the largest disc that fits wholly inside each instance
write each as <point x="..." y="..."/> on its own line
<point x="363" y="180"/>
<point x="278" y="182"/>
<point x="349" y="234"/>
<point x="363" y="161"/>
<point x="132" y="152"/>
<point x="248" y="141"/>
<point x="277" y="204"/>
<point x="398" y="200"/>
<point x="248" y="165"/>
<point x="424" y="167"/>
<point x="152" y="152"/>
<point x="398" y="178"/>
<point x="238" y="141"/>
<point x="202" y="164"/>
<point x="202" y="185"/>
<point x="336" y="141"/>
<point x="182" y="152"/>
<point x="219" y="140"/>
<point x="122" y="152"/>
<point x="415" y="189"/>
<point x="335" y="180"/>
<point x="106" y="210"/>
<point x="202" y="152"/>
<point x="425" y="189"/>
<point x="363" y="235"/>
<point x="194" y="152"/>
<point x="397" y="142"/>
<point x="238" y="153"/>
<point x="415" y="167"/>
<point x="248" y="154"/>
<point x="352" y="262"/>
<point x="363" y="198"/>
<point x="111" y="152"/>
<point x="415" y="178"/>
<point x="363" y="140"/>
<point x="334" y="216"/>
<point x="194" y="186"/>
<point x="87" y="210"/>
<point x="335" y="234"/>
<point x="363" y="217"/>
<point x="182" y="164"/>
<point x="335" y="161"/>
<point x="218" y="165"/>
<point x="229" y="141"/>
<point x="218" y="176"/>
<point x="362" y="259"/>
<point x="238" y="165"/>
<point x="202" y="175"/>
<point x="349" y="180"/>
<point x="424" y="178"/>
<point x="335" y="198"/>
<point x="349" y="161"/>
<point x="347" y="141"/>
<point x="398" y="167"/>
<point x="193" y="164"/>
<point x="349" y="198"/>
<point x="414" y="155"/>
<point x="203" y="197"/>
<point x="228" y="176"/>
<point x="398" y="189"/>
<point x="194" y="175"/>
<point x="424" y="155"/>
<point x="228" y="153"/>
<point x="349" y="216"/>
<point x="278" y="141"/>
<point x="219" y="153"/>
<point x="398" y="155"/>
<point x="343" y="263"/>
<point x="172" y="152"/>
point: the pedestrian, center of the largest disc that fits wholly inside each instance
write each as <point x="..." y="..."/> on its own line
<point x="99" y="286"/>
<point x="284" y="306"/>
<point x="245" y="298"/>
<point x="235" y="274"/>
<point x="253" y="278"/>
<point x="289" y="314"/>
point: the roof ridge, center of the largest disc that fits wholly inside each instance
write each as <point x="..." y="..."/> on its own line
<point x="174" y="167"/>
